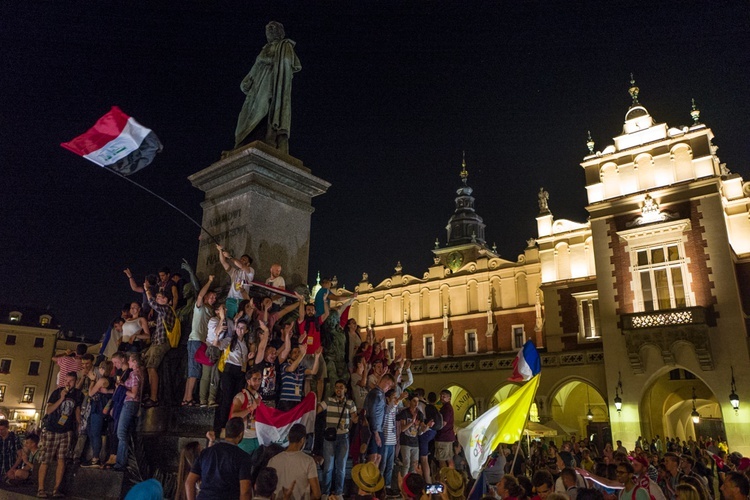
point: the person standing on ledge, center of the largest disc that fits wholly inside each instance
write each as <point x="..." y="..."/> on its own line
<point x="266" y="114"/>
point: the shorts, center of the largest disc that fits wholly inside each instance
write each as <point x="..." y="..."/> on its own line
<point x="424" y="442"/>
<point x="444" y="450"/>
<point x="55" y="446"/>
<point x="249" y="445"/>
<point x="195" y="369"/>
<point x="372" y="446"/>
<point x="153" y="356"/>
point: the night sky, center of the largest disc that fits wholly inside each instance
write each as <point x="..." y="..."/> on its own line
<point x="389" y="95"/>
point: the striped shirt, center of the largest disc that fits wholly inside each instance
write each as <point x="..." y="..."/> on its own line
<point x="335" y="406"/>
<point x="292" y="383"/>
<point x="389" y="425"/>
<point x="67" y="364"/>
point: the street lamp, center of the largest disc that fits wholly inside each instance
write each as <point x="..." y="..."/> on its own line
<point x="734" y="399"/>
<point x="694" y="414"/>
<point x="589" y="415"/>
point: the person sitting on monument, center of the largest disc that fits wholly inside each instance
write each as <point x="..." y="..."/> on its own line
<point x="236" y="350"/>
<point x="240" y="273"/>
<point x="244" y="405"/>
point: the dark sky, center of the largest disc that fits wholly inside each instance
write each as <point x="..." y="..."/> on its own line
<point x="389" y="95"/>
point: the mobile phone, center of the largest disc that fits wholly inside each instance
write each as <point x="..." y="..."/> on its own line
<point x="434" y="489"/>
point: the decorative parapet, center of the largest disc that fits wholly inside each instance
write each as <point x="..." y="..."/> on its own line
<point x="502" y="362"/>
<point x="664" y="330"/>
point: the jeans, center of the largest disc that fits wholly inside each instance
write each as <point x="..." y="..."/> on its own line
<point x="409" y="459"/>
<point x="334" y="464"/>
<point x="386" y="463"/>
<point x="128" y="416"/>
<point x="96" y="425"/>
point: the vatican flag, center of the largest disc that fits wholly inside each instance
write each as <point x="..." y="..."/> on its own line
<point x="503" y="423"/>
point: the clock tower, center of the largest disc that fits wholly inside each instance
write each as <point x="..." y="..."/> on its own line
<point x="465" y="230"/>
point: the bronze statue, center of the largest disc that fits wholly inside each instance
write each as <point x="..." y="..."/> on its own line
<point x="266" y="114"/>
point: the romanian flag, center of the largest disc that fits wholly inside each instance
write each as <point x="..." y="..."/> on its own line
<point x="527" y="364"/>
<point x="503" y="423"/>
<point x="118" y="142"/>
<point x="272" y="425"/>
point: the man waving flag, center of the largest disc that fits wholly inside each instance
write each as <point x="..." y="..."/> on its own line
<point x="118" y="142"/>
<point x="503" y="423"/>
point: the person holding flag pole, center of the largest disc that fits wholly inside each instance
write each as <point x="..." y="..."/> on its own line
<point x="505" y="422"/>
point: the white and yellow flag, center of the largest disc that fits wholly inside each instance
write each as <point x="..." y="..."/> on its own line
<point x="503" y="423"/>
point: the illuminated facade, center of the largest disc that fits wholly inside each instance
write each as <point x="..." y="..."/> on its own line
<point x="644" y="302"/>
<point x="27" y="343"/>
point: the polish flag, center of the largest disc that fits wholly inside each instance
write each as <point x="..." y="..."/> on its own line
<point x="272" y="425"/>
<point x="118" y="142"/>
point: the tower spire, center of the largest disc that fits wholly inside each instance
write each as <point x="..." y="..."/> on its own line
<point x="695" y="113"/>
<point x="633" y="91"/>
<point x="464" y="172"/>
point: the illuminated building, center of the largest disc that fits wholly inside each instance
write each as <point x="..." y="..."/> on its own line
<point x="644" y="302"/>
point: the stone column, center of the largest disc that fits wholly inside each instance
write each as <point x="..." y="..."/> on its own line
<point x="258" y="201"/>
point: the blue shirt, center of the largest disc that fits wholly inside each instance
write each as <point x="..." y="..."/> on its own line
<point x="375" y="407"/>
<point x="292" y="382"/>
<point x="320" y="303"/>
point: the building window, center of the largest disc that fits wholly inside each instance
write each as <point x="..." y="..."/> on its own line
<point x="15" y="316"/>
<point x="519" y="337"/>
<point x="660" y="272"/>
<point x="428" y="346"/>
<point x="39" y="342"/>
<point x="34" y="367"/>
<point x="588" y="315"/>
<point x="45" y="319"/>
<point x="390" y="346"/>
<point x="28" y="394"/>
<point x="2" y="393"/>
<point x="10" y="340"/>
<point x="471" y="342"/>
<point x="5" y="365"/>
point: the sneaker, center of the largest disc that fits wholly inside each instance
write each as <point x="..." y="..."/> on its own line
<point x="213" y="404"/>
<point x="93" y="463"/>
<point x="204" y="405"/>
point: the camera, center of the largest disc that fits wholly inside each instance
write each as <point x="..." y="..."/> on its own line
<point x="434" y="489"/>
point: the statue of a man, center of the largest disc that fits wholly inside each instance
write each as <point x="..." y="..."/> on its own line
<point x="543" y="201"/>
<point x="266" y="114"/>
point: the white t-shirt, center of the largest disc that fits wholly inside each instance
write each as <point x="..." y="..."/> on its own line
<point x="239" y="278"/>
<point x="294" y="466"/>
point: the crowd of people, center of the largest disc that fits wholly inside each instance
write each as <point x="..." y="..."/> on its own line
<point x="251" y="349"/>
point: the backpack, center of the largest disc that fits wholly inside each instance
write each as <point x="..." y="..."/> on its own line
<point x="173" y="335"/>
<point x="433" y="414"/>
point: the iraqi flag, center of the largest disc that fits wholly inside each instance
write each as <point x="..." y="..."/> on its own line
<point x="118" y="142"/>
<point x="527" y="363"/>
<point x="272" y="425"/>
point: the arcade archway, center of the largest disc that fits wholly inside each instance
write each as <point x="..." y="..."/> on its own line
<point x="570" y="405"/>
<point x="667" y="405"/>
<point x="464" y="406"/>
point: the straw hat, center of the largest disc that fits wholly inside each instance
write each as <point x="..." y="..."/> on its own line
<point x="454" y="481"/>
<point x="367" y="477"/>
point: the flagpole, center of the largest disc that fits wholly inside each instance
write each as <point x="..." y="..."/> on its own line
<point x="118" y="174"/>
<point x="525" y="422"/>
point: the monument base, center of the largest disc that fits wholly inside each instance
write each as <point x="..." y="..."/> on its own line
<point x="258" y="202"/>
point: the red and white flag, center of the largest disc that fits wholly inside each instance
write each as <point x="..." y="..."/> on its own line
<point x="118" y="142"/>
<point x="272" y="425"/>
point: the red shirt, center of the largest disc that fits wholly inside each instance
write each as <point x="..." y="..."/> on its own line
<point x="311" y="327"/>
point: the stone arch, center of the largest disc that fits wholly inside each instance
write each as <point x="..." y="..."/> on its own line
<point x="522" y="289"/>
<point x="424" y="303"/>
<point x="609" y="175"/>
<point x="497" y="292"/>
<point x="502" y="393"/>
<point x="682" y="159"/>
<point x="472" y="292"/>
<point x="562" y="258"/>
<point x="644" y="170"/>
<point x="569" y="401"/>
<point x="665" y="405"/>
<point x="387" y="306"/>
<point x="406" y="306"/>
<point x="464" y="405"/>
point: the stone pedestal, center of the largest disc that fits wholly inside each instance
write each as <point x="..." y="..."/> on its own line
<point x="258" y="201"/>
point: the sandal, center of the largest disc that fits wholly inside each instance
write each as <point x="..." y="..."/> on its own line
<point x="194" y="403"/>
<point x="150" y="403"/>
<point x="185" y="402"/>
